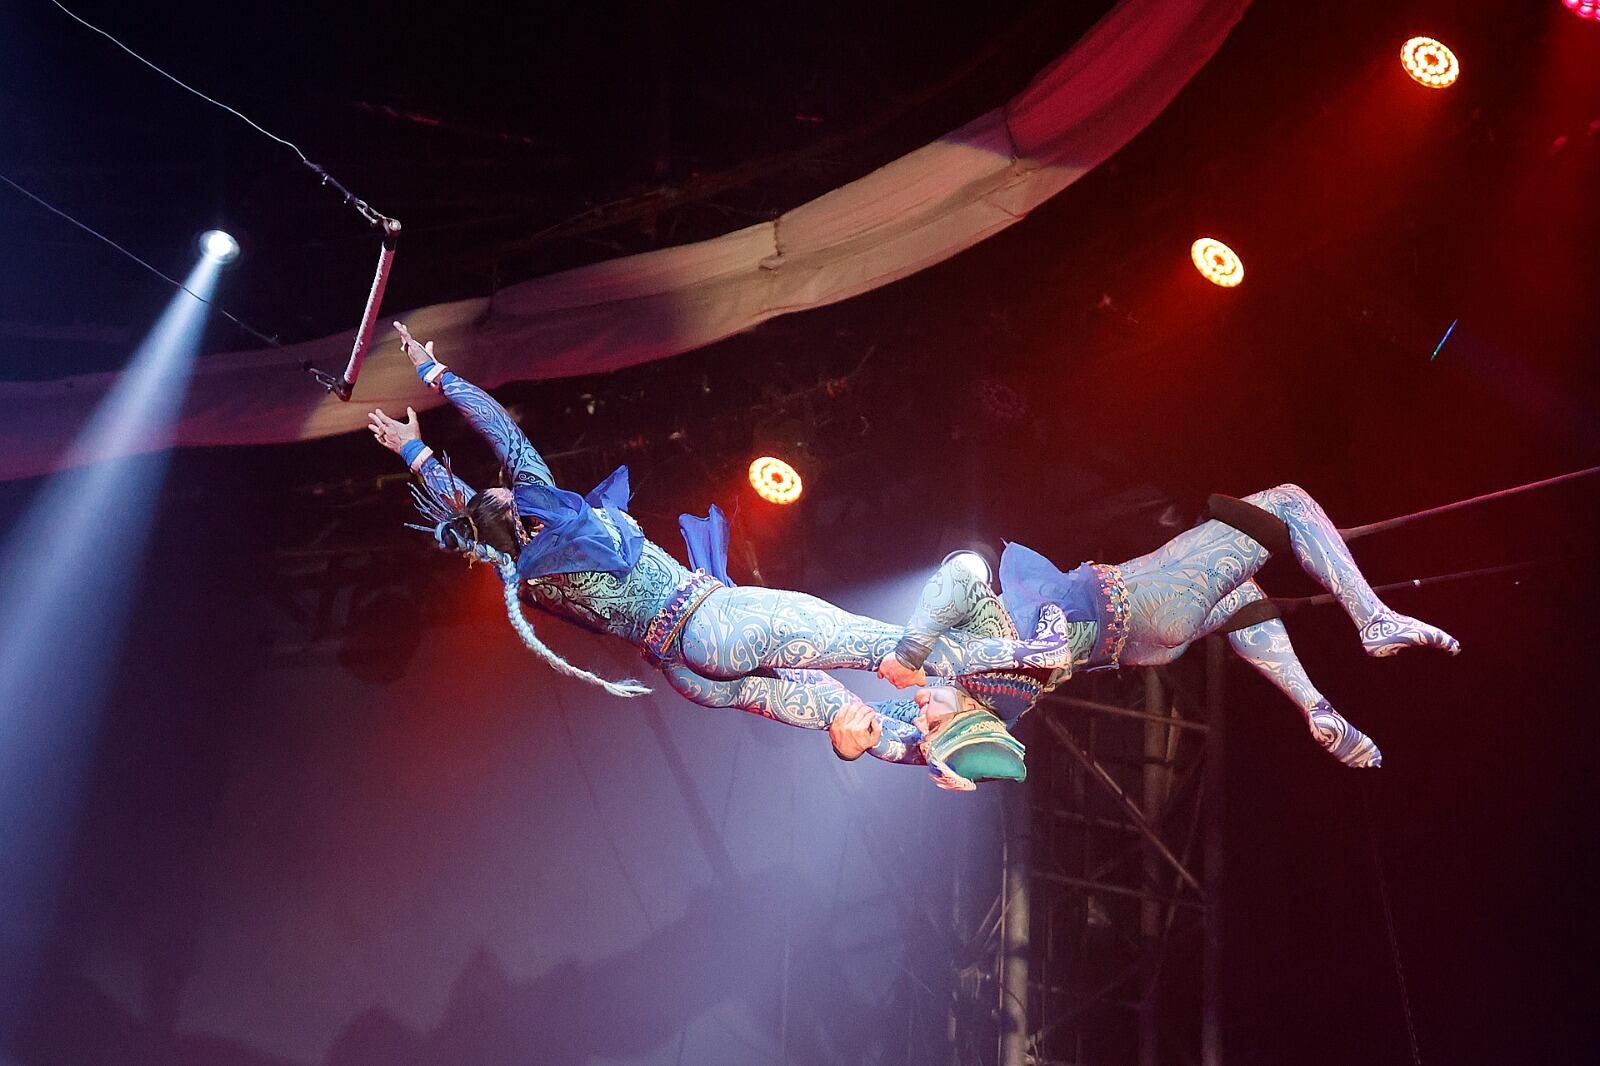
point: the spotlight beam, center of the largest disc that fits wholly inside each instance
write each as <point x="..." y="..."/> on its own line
<point x="68" y="571"/>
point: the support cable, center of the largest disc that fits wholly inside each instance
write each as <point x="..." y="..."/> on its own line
<point x="1253" y="613"/>
<point x="1388" y="921"/>
<point x="1406" y="519"/>
<point x="366" y="210"/>
<point x="1290" y="603"/>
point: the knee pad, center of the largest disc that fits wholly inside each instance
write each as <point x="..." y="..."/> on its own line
<point x="1261" y="526"/>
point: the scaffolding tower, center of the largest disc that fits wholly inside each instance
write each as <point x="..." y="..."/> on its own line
<point x="1102" y="944"/>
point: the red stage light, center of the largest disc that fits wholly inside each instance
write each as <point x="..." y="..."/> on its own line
<point x="1430" y="63"/>
<point x="1584" y="9"/>
<point x="1216" y="262"/>
<point x="775" y="480"/>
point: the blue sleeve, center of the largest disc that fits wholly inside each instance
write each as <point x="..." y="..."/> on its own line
<point x="523" y="463"/>
<point x="440" y="481"/>
<point x="434" y="474"/>
<point x="901" y="741"/>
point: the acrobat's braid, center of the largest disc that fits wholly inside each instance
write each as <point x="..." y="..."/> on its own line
<point x="519" y="621"/>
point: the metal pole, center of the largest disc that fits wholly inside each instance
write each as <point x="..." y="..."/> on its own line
<point x="1389" y="523"/>
<point x="952" y="1026"/>
<point x="1155" y="780"/>
<point x="1014" y="933"/>
<point x="1212" y="799"/>
<point x="1092" y="886"/>
<point x="1123" y="712"/>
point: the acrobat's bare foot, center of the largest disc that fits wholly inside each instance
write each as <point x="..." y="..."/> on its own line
<point x="898" y="674"/>
<point x="1390" y="631"/>
<point x="1341" y="739"/>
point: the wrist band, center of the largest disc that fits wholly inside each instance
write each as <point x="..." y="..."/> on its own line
<point x="431" y="371"/>
<point x="912" y="651"/>
<point x="415" y="453"/>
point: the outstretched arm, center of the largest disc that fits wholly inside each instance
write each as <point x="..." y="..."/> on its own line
<point x="802" y="703"/>
<point x="882" y="729"/>
<point x="523" y="463"/>
<point x="405" y="440"/>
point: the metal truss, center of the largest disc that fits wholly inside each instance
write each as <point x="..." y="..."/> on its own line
<point x="1102" y="945"/>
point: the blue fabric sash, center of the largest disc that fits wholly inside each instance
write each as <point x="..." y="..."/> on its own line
<point x="1089" y="592"/>
<point x="707" y="541"/>
<point x="574" y="537"/>
<point x="1028" y="581"/>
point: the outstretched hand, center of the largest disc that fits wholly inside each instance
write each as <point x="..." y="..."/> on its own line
<point x="854" y="730"/>
<point x="898" y="674"/>
<point x="392" y="434"/>
<point x="417" y="353"/>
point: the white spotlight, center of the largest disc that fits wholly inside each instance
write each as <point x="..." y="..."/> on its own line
<point x="220" y="246"/>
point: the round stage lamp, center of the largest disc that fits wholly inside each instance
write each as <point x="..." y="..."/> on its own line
<point x="1584" y="9"/>
<point x="1430" y="63"/>
<point x="775" y="480"/>
<point x="1216" y="262"/>
<point x="220" y="246"/>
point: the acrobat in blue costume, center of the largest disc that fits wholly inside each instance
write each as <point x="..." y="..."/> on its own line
<point x="956" y="727"/>
<point x="1149" y="610"/>
<point x="1143" y="612"/>
<point x="585" y="559"/>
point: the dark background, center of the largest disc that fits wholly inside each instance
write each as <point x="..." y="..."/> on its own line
<point x="446" y="854"/>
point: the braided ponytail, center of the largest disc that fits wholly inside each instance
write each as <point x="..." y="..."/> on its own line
<point x="456" y="529"/>
<point x="519" y="621"/>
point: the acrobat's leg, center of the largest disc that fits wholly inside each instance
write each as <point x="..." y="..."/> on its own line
<point x="808" y="699"/>
<point x="953" y="596"/>
<point x="1265" y="646"/>
<point x="958" y="614"/>
<point x="1173" y="590"/>
<point x="1323" y="554"/>
<point x="741" y="631"/>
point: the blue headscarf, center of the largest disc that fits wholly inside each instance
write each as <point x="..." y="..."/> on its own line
<point x="575" y="536"/>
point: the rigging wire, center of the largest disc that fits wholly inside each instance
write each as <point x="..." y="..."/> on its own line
<point x="1290" y="603"/>
<point x="366" y="210"/>
<point x="1406" y="519"/>
<point x="1388" y="921"/>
